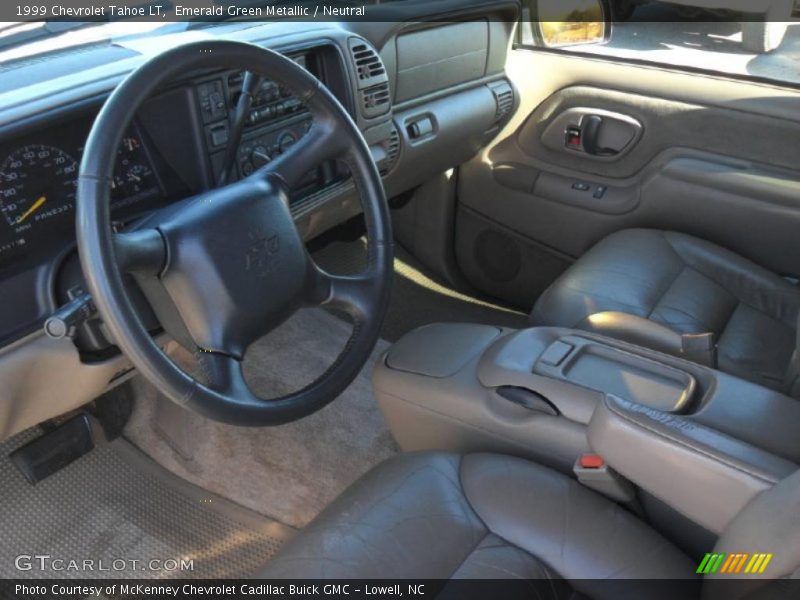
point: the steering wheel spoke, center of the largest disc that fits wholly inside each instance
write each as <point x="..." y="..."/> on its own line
<point x="222" y="373"/>
<point x="318" y="145"/>
<point x="352" y="294"/>
<point x="141" y="251"/>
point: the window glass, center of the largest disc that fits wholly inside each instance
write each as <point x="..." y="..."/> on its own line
<point x="685" y="33"/>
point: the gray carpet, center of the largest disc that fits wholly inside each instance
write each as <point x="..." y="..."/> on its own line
<point x="114" y="503"/>
<point x="289" y="473"/>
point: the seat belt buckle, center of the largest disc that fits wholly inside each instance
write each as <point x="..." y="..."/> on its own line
<point x="593" y="472"/>
<point x="699" y="348"/>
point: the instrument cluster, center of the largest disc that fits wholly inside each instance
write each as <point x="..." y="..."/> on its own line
<point x="38" y="186"/>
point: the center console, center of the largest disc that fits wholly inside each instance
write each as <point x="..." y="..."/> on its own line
<point x="276" y="120"/>
<point x="554" y="394"/>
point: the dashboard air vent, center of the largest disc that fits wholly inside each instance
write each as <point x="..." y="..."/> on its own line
<point x="369" y="68"/>
<point x="368" y="63"/>
<point x="504" y="99"/>
<point x="392" y="146"/>
<point x="376" y="100"/>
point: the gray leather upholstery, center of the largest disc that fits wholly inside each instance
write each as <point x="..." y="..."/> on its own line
<point x="487" y="516"/>
<point x="718" y="474"/>
<point x="426" y="515"/>
<point x="769" y="524"/>
<point x="654" y="282"/>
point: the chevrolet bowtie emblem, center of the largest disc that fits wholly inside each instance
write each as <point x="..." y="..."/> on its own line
<point x="262" y="254"/>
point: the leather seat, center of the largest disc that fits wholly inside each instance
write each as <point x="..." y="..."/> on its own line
<point x="439" y="516"/>
<point x="650" y="287"/>
<point x="484" y="516"/>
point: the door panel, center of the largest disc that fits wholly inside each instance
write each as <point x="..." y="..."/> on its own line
<point x="714" y="157"/>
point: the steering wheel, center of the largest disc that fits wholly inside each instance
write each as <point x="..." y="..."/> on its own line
<point x="231" y="260"/>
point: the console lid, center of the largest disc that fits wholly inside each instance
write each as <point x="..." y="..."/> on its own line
<point x="718" y="474"/>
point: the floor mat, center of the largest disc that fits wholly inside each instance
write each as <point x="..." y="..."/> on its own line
<point x="418" y="297"/>
<point x="116" y="506"/>
<point x="291" y="472"/>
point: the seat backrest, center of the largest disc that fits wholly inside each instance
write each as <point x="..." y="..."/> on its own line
<point x="769" y="524"/>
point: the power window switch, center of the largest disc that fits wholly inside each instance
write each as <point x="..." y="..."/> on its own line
<point x="600" y="191"/>
<point x="581" y="187"/>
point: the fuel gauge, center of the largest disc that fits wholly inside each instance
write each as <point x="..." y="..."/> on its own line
<point x="130" y="144"/>
<point x="134" y="177"/>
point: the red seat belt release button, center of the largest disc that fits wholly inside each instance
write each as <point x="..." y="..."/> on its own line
<point x="591" y="461"/>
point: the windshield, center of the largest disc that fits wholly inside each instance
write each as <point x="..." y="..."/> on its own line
<point x="21" y="39"/>
<point x="79" y="25"/>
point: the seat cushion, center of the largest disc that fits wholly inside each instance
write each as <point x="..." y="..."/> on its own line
<point x="440" y="516"/>
<point x="685" y="285"/>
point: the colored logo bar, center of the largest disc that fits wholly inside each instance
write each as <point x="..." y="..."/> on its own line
<point x="739" y="562"/>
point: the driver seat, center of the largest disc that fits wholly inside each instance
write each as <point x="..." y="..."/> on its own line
<point x="486" y="516"/>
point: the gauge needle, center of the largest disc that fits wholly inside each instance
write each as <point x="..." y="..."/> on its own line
<point x="34" y="207"/>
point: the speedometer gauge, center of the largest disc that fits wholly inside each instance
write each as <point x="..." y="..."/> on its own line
<point x="39" y="174"/>
<point x="37" y="184"/>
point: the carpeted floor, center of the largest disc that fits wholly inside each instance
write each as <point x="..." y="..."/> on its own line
<point x="291" y="472"/>
<point x="116" y="504"/>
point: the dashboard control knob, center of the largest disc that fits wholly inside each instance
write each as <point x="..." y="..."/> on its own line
<point x="260" y="156"/>
<point x="286" y="139"/>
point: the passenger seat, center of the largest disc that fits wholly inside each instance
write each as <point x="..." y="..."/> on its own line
<point x="660" y="288"/>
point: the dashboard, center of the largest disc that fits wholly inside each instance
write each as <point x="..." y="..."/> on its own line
<point x="174" y="148"/>
<point x="177" y="143"/>
<point x="39" y="171"/>
<point x="425" y="95"/>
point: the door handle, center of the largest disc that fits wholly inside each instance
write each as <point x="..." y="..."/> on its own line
<point x="591" y="126"/>
<point x="594" y="132"/>
<point x="591" y="133"/>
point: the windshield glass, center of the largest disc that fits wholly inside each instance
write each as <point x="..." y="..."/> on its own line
<point x="52" y="26"/>
<point x="21" y="39"/>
